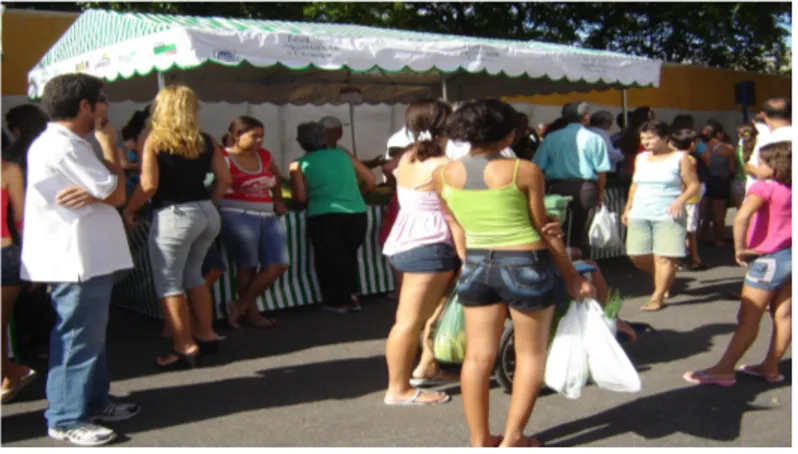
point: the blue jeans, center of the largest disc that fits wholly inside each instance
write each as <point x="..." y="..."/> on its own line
<point x="78" y="383"/>
<point x="179" y="239"/>
<point x="770" y="271"/>
<point x="431" y="258"/>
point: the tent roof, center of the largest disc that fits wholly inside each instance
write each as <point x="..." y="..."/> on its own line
<point x="297" y="62"/>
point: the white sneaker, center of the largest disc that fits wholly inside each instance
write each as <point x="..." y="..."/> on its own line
<point x="84" y="435"/>
<point x="115" y="412"/>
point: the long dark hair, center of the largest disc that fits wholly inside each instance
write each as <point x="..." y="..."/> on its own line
<point x="629" y="142"/>
<point x="31" y="121"/>
<point x="426" y="120"/>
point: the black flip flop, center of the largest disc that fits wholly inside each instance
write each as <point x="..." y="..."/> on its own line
<point x="182" y="362"/>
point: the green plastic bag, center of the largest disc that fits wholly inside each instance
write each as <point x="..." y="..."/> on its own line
<point x="449" y="341"/>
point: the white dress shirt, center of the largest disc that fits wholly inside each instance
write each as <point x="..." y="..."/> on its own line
<point x="61" y="245"/>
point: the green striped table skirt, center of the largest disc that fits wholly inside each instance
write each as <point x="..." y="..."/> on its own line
<point x="297" y="287"/>
<point x="615" y="198"/>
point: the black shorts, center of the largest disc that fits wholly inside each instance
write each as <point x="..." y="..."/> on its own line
<point x="526" y="280"/>
<point x="718" y="188"/>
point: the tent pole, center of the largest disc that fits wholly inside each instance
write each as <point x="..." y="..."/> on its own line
<point x="352" y="127"/>
<point x="625" y="106"/>
<point x="444" y="90"/>
<point x="161" y="80"/>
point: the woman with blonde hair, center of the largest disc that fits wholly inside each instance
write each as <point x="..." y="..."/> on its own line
<point x="175" y="160"/>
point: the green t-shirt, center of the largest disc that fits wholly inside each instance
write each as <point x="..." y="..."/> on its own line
<point x="332" y="183"/>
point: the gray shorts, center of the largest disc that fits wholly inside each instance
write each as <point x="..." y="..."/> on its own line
<point x="180" y="236"/>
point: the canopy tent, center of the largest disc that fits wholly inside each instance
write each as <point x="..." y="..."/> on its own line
<point x="262" y="61"/>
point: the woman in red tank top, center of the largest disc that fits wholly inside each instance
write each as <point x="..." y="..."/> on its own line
<point x="253" y="230"/>
<point x="15" y="376"/>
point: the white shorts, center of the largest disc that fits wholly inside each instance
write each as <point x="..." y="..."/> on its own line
<point x="692" y="217"/>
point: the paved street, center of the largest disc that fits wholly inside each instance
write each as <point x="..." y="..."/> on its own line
<point x="317" y="380"/>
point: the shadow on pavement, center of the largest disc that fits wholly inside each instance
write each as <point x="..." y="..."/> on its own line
<point x="664" y="346"/>
<point x="134" y="340"/>
<point x="708" y="412"/>
<point x="270" y="388"/>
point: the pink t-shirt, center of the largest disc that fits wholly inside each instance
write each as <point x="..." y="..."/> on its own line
<point x="771" y="228"/>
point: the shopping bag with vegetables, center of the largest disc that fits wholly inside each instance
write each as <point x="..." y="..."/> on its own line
<point x="449" y="340"/>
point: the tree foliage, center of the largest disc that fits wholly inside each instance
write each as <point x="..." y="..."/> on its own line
<point x="743" y="36"/>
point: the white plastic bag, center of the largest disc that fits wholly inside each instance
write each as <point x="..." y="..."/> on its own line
<point x="566" y="363"/>
<point x="604" y="231"/>
<point x="609" y="366"/>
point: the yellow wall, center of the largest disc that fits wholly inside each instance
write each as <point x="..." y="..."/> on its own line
<point x="27" y="36"/>
<point x="691" y="88"/>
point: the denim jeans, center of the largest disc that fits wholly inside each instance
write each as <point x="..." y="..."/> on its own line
<point x="179" y="239"/>
<point x="78" y="383"/>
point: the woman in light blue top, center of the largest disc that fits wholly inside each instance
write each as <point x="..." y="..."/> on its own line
<point x="664" y="180"/>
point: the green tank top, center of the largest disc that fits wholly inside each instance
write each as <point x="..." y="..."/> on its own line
<point x="492" y="218"/>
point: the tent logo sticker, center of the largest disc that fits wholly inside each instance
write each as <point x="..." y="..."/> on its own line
<point x="103" y="62"/>
<point x="164" y="49"/>
<point x="126" y="58"/>
<point x="82" y="66"/>
<point x="226" y="56"/>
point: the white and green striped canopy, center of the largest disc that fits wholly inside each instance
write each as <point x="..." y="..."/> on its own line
<point x="271" y="61"/>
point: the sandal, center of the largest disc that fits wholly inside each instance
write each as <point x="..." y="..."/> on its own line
<point x="208" y="348"/>
<point x="697" y="266"/>
<point x="261" y="323"/>
<point x="183" y="361"/>
<point x="414" y="402"/>
<point x="653" y="306"/>
<point x="700" y="377"/>
<point x="751" y="372"/>
<point x="9" y="394"/>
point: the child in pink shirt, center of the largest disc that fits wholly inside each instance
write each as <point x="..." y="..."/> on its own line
<point x="763" y="244"/>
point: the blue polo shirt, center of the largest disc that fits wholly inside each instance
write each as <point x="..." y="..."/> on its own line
<point x="573" y="152"/>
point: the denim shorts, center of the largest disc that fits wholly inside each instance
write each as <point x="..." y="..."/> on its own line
<point x="432" y="258"/>
<point x="525" y="280"/>
<point x="664" y="238"/>
<point x="214" y="260"/>
<point x="10" y="266"/>
<point x="771" y="271"/>
<point x="180" y="236"/>
<point x="253" y="238"/>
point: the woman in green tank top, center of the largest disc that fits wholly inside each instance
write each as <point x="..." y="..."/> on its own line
<point x="496" y="213"/>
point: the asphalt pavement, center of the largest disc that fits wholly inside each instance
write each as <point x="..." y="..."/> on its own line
<point x="317" y="380"/>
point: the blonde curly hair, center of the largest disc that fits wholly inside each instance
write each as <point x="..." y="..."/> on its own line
<point x="174" y="126"/>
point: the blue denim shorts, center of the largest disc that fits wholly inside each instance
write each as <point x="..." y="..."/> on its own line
<point x="432" y="258"/>
<point x="771" y="271"/>
<point x="254" y="239"/>
<point x="10" y="266"/>
<point x="525" y="280"/>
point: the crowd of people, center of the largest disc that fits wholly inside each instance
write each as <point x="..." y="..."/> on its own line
<point x="467" y="214"/>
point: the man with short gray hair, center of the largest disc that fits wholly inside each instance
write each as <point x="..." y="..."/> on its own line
<point x="601" y="123"/>
<point x="575" y="162"/>
<point x="335" y="131"/>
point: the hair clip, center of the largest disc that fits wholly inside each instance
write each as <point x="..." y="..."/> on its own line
<point x="424" y="136"/>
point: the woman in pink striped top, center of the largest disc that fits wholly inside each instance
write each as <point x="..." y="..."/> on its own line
<point x="419" y="246"/>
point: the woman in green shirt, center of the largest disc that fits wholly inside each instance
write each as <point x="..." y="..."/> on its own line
<point x="327" y="180"/>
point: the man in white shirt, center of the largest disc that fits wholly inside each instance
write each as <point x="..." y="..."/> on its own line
<point x="75" y="241"/>
<point x="601" y="123"/>
<point x="777" y="114"/>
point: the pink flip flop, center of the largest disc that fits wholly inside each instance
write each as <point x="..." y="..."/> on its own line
<point x="746" y="369"/>
<point x="700" y="377"/>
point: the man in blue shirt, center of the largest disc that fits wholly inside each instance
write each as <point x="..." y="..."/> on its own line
<point x="575" y="162"/>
